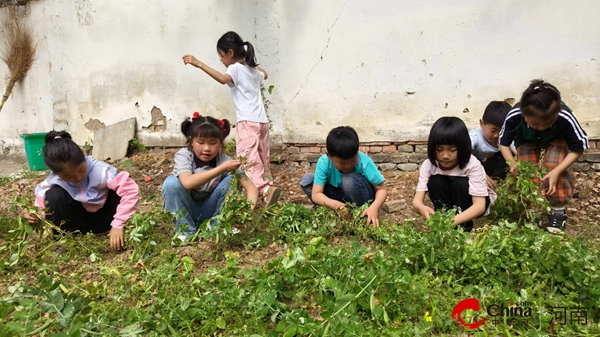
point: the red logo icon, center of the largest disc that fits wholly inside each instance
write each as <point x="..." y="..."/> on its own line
<point x="469" y="303"/>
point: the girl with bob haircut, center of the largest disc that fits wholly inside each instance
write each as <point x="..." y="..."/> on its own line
<point x="452" y="176"/>
<point x="202" y="175"/>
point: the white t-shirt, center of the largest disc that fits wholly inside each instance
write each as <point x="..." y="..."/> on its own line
<point x="245" y="91"/>
<point x="481" y="149"/>
<point x="474" y="171"/>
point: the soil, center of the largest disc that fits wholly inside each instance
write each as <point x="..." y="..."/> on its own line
<point x="583" y="210"/>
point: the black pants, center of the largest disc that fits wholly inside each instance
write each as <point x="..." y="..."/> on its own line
<point x="70" y="216"/>
<point x="495" y="166"/>
<point x="448" y="192"/>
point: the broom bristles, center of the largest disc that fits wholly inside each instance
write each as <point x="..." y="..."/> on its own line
<point x="17" y="49"/>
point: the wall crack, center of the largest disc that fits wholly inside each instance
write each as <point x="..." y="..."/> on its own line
<point x="320" y="58"/>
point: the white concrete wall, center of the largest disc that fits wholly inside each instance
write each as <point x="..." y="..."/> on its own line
<point x="387" y="67"/>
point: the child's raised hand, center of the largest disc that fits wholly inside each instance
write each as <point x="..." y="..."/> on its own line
<point x="190" y="59"/>
<point x="231" y="165"/>
<point x="116" y="238"/>
<point x="31" y="218"/>
<point x="372" y="215"/>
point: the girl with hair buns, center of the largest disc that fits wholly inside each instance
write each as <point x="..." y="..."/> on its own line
<point x="82" y="194"/>
<point x="202" y="175"/>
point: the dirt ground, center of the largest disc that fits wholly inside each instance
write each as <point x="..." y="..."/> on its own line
<point x="583" y="210"/>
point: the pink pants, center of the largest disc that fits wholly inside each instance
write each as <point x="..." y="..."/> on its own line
<point x="252" y="142"/>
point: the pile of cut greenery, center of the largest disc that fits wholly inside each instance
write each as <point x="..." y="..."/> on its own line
<point x="334" y="277"/>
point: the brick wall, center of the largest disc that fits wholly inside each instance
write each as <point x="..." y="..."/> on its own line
<point x="403" y="156"/>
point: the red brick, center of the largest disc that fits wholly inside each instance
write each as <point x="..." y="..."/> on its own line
<point x="305" y="149"/>
<point x="389" y="148"/>
<point x="315" y="149"/>
<point x="375" y="149"/>
<point x="293" y="149"/>
<point x="364" y="149"/>
<point x="323" y="149"/>
<point x="593" y="144"/>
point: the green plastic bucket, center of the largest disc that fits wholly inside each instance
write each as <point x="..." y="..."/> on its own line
<point x="34" y="142"/>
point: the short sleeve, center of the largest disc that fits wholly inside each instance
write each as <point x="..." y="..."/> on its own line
<point x="509" y="129"/>
<point x="183" y="162"/>
<point x="232" y="71"/>
<point x="474" y="139"/>
<point x="424" y="175"/>
<point x="371" y="173"/>
<point x="321" y="171"/>
<point x="477" y="180"/>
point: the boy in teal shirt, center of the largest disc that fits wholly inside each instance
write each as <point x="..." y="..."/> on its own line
<point x="345" y="175"/>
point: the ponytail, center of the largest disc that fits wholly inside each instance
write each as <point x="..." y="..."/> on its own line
<point x="61" y="152"/>
<point x="241" y="49"/>
<point x="250" y="56"/>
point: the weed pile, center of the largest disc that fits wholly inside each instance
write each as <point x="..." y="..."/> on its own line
<point x="336" y="277"/>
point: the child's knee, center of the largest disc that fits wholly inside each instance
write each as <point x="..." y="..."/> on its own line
<point x="172" y="185"/>
<point x="56" y="195"/>
<point x="460" y="185"/>
<point x="437" y="182"/>
<point x="307" y="179"/>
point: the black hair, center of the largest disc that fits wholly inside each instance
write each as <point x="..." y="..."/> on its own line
<point x="205" y="127"/>
<point x="231" y="40"/>
<point x="342" y="142"/>
<point x="450" y="131"/>
<point x="495" y="113"/>
<point x="61" y="152"/>
<point x="540" y="99"/>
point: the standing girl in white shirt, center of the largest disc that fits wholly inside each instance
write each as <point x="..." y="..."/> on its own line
<point x="245" y="79"/>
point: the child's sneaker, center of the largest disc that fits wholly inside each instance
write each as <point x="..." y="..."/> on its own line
<point x="273" y="194"/>
<point x="556" y="223"/>
<point x="181" y="240"/>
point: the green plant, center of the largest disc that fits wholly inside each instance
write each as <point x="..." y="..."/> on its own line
<point x="134" y="146"/>
<point x="520" y="199"/>
<point x="87" y="147"/>
<point x="267" y="102"/>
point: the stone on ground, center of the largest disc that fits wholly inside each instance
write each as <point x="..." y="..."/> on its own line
<point x="112" y="141"/>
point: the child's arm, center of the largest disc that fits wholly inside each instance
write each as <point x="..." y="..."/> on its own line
<point x="419" y="205"/>
<point x="476" y="210"/>
<point x="508" y="156"/>
<point x="191" y="181"/>
<point x="372" y="212"/>
<point x="128" y="190"/>
<point x="262" y="71"/>
<point x="251" y="190"/>
<point x="553" y="175"/>
<point x="216" y="75"/>
<point x="319" y="198"/>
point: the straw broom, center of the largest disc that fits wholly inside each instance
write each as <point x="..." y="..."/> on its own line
<point x="16" y="49"/>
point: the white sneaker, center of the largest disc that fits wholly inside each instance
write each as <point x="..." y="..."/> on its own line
<point x="184" y="240"/>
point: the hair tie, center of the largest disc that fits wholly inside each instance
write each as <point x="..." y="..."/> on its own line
<point x="57" y="137"/>
<point x="196" y="115"/>
<point x="222" y="124"/>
